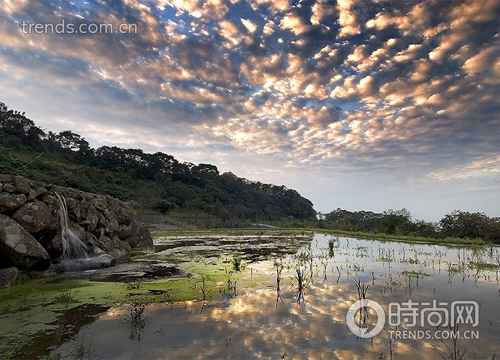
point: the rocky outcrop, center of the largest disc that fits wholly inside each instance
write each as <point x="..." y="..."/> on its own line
<point x="30" y="231"/>
<point x="20" y="247"/>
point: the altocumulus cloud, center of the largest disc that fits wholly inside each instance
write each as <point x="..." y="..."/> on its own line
<point x="357" y="85"/>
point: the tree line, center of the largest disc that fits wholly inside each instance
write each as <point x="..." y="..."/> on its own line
<point x="154" y="181"/>
<point x="457" y="224"/>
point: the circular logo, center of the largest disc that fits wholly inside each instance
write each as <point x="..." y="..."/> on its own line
<point x="363" y="332"/>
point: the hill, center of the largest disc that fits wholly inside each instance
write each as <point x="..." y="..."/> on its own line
<point x="155" y="182"/>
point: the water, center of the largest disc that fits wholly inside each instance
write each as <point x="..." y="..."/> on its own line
<point x="276" y="318"/>
<point x="73" y="247"/>
<point x="76" y="255"/>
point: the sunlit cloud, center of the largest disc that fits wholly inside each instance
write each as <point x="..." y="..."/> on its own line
<point x="352" y="84"/>
<point x="294" y="23"/>
<point x="347" y="19"/>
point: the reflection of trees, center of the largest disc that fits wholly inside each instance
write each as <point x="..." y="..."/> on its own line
<point x="278" y="265"/>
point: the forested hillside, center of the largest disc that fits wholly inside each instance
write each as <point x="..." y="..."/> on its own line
<point x="155" y="181"/>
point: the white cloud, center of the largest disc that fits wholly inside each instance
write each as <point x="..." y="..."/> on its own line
<point x="249" y="25"/>
<point x="294" y="23"/>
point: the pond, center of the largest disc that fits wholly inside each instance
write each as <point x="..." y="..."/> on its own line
<point x="286" y="296"/>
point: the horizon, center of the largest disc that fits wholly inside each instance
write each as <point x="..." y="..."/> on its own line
<point x="359" y="105"/>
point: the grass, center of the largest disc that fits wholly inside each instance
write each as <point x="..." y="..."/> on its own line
<point x="66" y="297"/>
<point x="230" y="232"/>
<point x="448" y="241"/>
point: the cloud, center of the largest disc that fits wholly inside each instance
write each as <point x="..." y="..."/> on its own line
<point x="485" y="168"/>
<point x="275" y="5"/>
<point x="347" y="19"/>
<point x="320" y="10"/>
<point x="294" y="23"/>
<point x="486" y="59"/>
<point x="250" y="26"/>
<point x="358" y="85"/>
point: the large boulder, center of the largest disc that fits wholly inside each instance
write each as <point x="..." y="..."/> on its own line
<point x="33" y="216"/>
<point x="21" y="247"/>
<point x="140" y="238"/>
<point x="10" y="201"/>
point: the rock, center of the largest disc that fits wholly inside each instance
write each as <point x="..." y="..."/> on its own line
<point x="40" y="191"/>
<point x="5" y="262"/>
<point x="122" y="232"/>
<point x="50" y="239"/>
<point x="140" y="238"/>
<point x="79" y="231"/>
<point x="8" y="277"/>
<point x="33" y="216"/>
<point x="31" y="195"/>
<point x="30" y="230"/>
<point x="51" y="202"/>
<point x="96" y="261"/>
<point x="89" y="218"/>
<point x="21" y="247"/>
<point x="22" y="185"/>
<point x="112" y="226"/>
<point x="9" y="188"/>
<point x="5" y="178"/>
<point x="11" y="201"/>
<point x="101" y="219"/>
<point x="122" y="212"/>
<point x="74" y="208"/>
<point x="99" y="204"/>
<point x="120" y="250"/>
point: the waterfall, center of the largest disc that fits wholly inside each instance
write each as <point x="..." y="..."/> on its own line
<point x="73" y="247"/>
<point x="76" y="255"/>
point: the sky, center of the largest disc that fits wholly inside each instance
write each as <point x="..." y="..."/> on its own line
<point x="356" y="104"/>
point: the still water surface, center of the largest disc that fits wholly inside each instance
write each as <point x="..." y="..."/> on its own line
<point x="289" y="321"/>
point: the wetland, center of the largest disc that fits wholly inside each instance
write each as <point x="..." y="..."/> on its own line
<point x="254" y="294"/>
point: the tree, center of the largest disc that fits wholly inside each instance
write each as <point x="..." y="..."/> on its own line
<point x="15" y="123"/>
<point x="463" y="224"/>
<point x="71" y="141"/>
<point x="395" y="222"/>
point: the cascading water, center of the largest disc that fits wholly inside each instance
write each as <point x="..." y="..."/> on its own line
<point x="73" y="247"/>
<point x="76" y="255"/>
